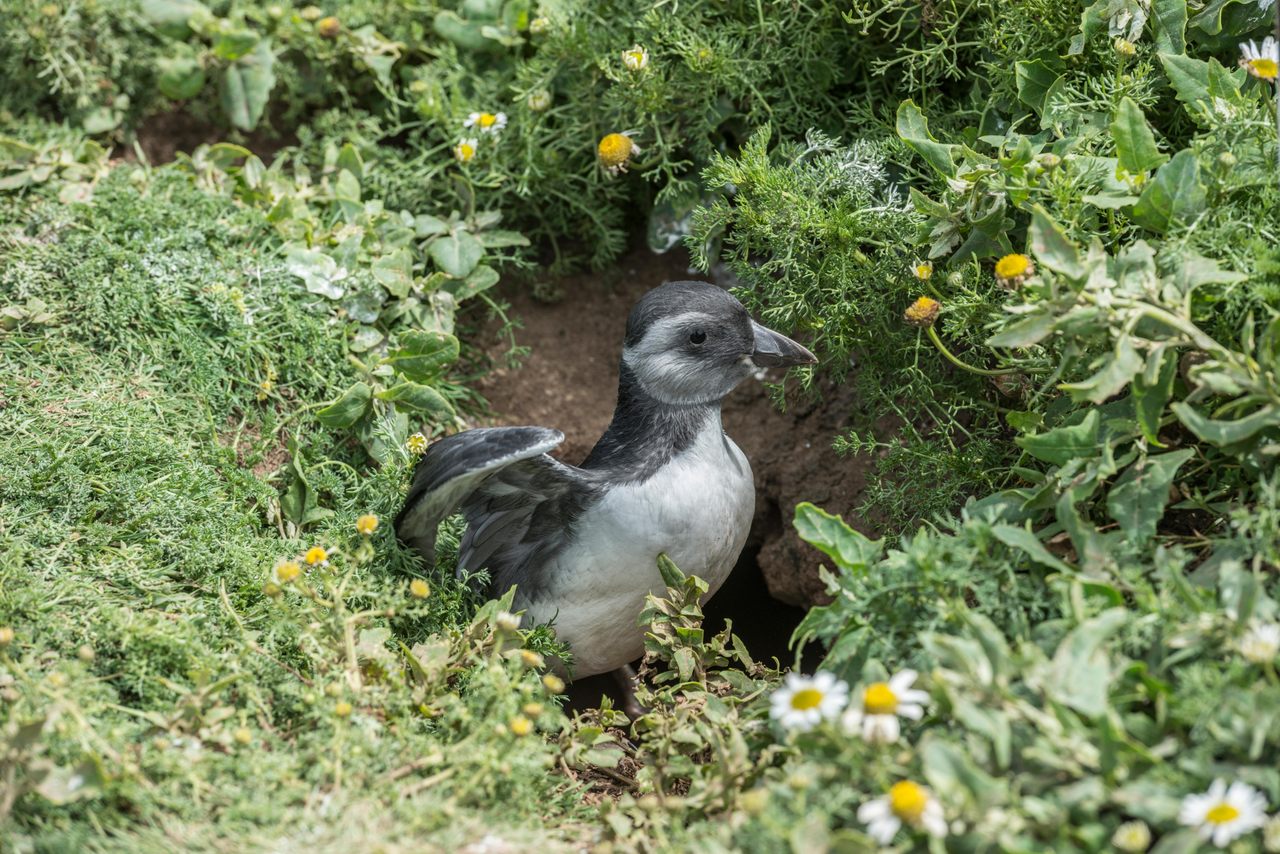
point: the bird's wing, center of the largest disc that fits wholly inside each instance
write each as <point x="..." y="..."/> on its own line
<point x="518" y="501"/>
<point x="454" y="467"/>
<point x="520" y="517"/>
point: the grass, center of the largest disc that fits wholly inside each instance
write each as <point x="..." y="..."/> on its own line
<point x="142" y="463"/>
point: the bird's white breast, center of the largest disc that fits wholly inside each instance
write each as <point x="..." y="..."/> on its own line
<point x="697" y="509"/>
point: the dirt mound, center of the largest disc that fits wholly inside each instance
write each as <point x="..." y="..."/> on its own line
<point x="569" y="381"/>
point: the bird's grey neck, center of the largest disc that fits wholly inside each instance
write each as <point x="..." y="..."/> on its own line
<point x="646" y="433"/>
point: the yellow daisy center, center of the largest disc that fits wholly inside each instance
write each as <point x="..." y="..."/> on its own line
<point x="520" y="725"/>
<point x="1013" y="266"/>
<point x="288" y="571"/>
<point x="805" y="699"/>
<point x="635" y="56"/>
<point x="1264" y="67"/>
<point x="879" y="699"/>
<point x="466" y="151"/>
<point x="615" y="149"/>
<point x="1221" y="814"/>
<point x="923" y="271"/>
<point x="908" y="800"/>
<point x="367" y="524"/>
<point x="419" y="589"/>
<point x="486" y="120"/>
<point x="316" y="554"/>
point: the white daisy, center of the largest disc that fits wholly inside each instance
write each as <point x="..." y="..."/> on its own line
<point x="486" y="122"/>
<point x="1261" y="643"/>
<point x="1222" y="814"/>
<point x="803" y="702"/>
<point x="1262" y="62"/>
<point x="906" y="803"/>
<point x="874" y="715"/>
<point x="466" y="149"/>
<point x="636" y="58"/>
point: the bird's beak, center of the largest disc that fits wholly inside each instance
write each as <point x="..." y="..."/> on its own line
<point x="774" y="350"/>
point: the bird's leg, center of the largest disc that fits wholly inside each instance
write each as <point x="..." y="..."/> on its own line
<point x="626" y="679"/>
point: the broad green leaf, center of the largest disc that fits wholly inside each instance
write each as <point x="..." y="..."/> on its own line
<point x="318" y="271"/>
<point x="422" y="356"/>
<point x="914" y="131"/>
<point x="1080" y="673"/>
<point x="671" y="574"/>
<point x="851" y="550"/>
<point x="1188" y="77"/>
<point x="1064" y="443"/>
<point x="481" y="279"/>
<point x="395" y="271"/>
<point x="348" y="409"/>
<point x="1175" y="196"/>
<point x="1034" y="79"/>
<point x="419" y="398"/>
<point x="1052" y="248"/>
<point x="501" y="239"/>
<point x="346" y="192"/>
<point x="181" y="77"/>
<point x="350" y="160"/>
<point x="1169" y="25"/>
<point x="1024" y="332"/>
<point x="955" y="776"/>
<point x="1138" y="498"/>
<point x="456" y="254"/>
<point x="1027" y="542"/>
<point x="1117" y="371"/>
<point x="233" y="44"/>
<point x="1135" y="143"/>
<point x="1152" y="394"/>
<point x="247" y="85"/>
<point x="1223" y="433"/>
<point x="425" y="225"/>
<point x="171" y="17"/>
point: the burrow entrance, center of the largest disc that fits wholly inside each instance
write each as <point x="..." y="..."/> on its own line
<point x="569" y="381"/>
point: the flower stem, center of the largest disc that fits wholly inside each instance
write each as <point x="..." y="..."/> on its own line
<point x="955" y="360"/>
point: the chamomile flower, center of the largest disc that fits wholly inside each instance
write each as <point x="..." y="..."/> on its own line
<point x="286" y="572"/>
<point x="486" y="122"/>
<point x="635" y="58"/>
<point x="465" y="150"/>
<point x="419" y="589"/>
<point x="1013" y="270"/>
<point x="1132" y="836"/>
<point x="923" y="312"/>
<point x="905" y="803"/>
<point x="1261" y="643"/>
<point x="874" y="714"/>
<point x="615" y="152"/>
<point x="803" y="702"/>
<point x="317" y="556"/>
<point x="538" y="100"/>
<point x="1262" y="62"/>
<point x="416" y="444"/>
<point x="923" y="270"/>
<point x="367" y="524"/>
<point x="1224" y="813"/>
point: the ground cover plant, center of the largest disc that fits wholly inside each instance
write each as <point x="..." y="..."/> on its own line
<point x="1038" y="238"/>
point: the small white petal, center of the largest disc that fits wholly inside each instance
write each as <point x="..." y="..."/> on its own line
<point x="911" y="710"/>
<point x="874" y="810"/>
<point x="902" y="681"/>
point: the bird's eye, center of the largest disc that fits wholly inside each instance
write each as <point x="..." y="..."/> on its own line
<point x="697" y="336"/>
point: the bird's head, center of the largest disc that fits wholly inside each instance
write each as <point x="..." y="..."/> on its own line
<point x="692" y="342"/>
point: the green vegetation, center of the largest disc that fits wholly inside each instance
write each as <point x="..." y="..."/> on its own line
<point x="1039" y="238"/>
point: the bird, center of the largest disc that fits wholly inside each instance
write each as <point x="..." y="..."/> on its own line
<point x="580" y="543"/>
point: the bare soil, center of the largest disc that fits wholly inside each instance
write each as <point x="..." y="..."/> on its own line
<point x="569" y="381"/>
